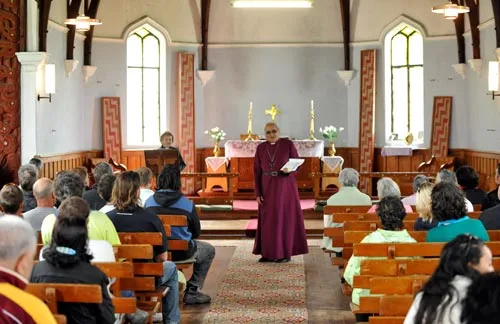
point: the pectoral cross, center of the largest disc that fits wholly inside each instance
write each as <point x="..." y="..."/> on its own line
<point x="273" y="112"/>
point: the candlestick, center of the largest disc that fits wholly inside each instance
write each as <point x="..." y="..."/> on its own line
<point x="249" y="131"/>
<point x="311" y="125"/>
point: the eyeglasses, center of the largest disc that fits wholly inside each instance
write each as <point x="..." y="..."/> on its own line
<point x="274" y="131"/>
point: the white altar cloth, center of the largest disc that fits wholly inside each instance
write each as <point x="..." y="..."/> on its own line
<point x="242" y="149"/>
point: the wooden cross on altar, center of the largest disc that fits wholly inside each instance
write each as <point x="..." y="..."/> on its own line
<point x="273" y="112"/>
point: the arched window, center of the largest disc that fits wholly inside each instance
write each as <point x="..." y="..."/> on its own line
<point x="404" y="83"/>
<point x="145" y="88"/>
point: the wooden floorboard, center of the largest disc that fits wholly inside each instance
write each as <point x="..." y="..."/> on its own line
<point x="325" y="301"/>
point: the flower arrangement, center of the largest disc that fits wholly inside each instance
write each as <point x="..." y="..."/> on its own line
<point x="216" y="133"/>
<point x="330" y="132"/>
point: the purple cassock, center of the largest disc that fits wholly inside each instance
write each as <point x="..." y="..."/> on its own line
<point x="280" y="231"/>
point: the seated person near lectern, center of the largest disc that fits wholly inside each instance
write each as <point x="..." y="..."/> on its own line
<point x="166" y="140"/>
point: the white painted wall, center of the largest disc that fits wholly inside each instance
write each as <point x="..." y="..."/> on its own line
<point x="290" y="75"/>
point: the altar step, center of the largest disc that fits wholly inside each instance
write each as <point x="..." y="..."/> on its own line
<point x="236" y="229"/>
<point x="245" y="215"/>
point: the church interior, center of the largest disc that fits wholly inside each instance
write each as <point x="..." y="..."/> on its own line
<point x="389" y="88"/>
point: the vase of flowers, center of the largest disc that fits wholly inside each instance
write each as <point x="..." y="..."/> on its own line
<point x="217" y="135"/>
<point x="330" y="133"/>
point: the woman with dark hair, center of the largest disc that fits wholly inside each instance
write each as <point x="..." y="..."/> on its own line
<point x="448" y="208"/>
<point x="468" y="180"/>
<point x="391" y="213"/>
<point x="481" y="303"/>
<point x="130" y="217"/>
<point x="440" y="300"/>
<point x="67" y="260"/>
<point x="166" y="140"/>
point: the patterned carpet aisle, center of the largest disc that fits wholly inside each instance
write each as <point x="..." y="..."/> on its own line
<point x="253" y="292"/>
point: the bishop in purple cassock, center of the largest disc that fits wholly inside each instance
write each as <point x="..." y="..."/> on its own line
<point x="280" y="231"/>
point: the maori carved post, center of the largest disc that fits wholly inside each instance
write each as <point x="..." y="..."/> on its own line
<point x="12" y="39"/>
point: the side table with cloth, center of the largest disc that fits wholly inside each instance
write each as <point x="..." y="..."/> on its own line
<point x="216" y="165"/>
<point x="331" y="164"/>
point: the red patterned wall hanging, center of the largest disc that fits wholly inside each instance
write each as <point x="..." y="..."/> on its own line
<point x="186" y="116"/>
<point x="367" y="116"/>
<point x="111" y="128"/>
<point x="11" y="40"/>
<point x="441" y="121"/>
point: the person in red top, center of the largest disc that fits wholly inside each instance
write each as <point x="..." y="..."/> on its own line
<point x="17" y="251"/>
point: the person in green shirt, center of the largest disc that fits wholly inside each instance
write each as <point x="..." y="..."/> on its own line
<point x="69" y="184"/>
<point x="448" y="208"/>
<point x="391" y="213"/>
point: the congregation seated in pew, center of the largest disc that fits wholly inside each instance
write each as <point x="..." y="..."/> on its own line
<point x="129" y="216"/>
<point x="17" y="250"/>
<point x="168" y="199"/>
<point x="146" y="176"/>
<point x="43" y="190"/>
<point x="69" y="184"/>
<point x="27" y="175"/>
<point x="92" y="196"/>
<point x="11" y="200"/>
<point x="448" y="207"/>
<point x="348" y="194"/>
<point x="491" y="199"/>
<point x="387" y="187"/>
<point x="105" y="189"/>
<point x="446" y="175"/>
<point x="468" y="180"/>
<point x="425" y="220"/>
<point x="67" y="260"/>
<point x="462" y="260"/>
<point x="392" y="213"/>
<point x="417" y="182"/>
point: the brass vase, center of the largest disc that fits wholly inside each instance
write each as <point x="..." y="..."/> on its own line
<point x="216" y="148"/>
<point x="332" y="149"/>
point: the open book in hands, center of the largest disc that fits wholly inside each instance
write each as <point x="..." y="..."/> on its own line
<point x="292" y="165"/>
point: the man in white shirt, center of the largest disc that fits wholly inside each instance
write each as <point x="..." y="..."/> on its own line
<point x="146" y="176"/>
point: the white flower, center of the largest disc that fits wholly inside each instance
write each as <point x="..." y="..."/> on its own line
<point x="341" y="129"/>
<point x="215" y="129"/>
<point x="206" y="132"/>
<point x="321" y="130"/>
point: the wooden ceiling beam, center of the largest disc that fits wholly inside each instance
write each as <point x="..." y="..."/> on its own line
<point x="459" y="23"/>
<point x="43" y="22"/>
<point x="205" y="17"/>
<point x="474" y="27"/>
<point x="72" y="8"/>
<point x="346" y="29"/>
<point x="90" y="11"/>
<point x="496" y="14"/>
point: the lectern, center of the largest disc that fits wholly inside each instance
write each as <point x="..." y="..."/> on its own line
<point x="157" y="159"/>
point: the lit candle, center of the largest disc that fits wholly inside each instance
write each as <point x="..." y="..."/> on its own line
<point x="312" y="105"/>
<point x="250" y="111"/>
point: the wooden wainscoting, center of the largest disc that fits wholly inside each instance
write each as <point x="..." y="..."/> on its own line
<point x="133" y="159"/>
<point x="485" y="163"/>
<point x="66" y="161"/>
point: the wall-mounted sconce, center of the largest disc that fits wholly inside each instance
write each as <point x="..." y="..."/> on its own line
<point x="49" y="82"/>
<point x="493" y="78"/>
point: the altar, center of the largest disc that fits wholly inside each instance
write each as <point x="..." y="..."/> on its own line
<point x="240" y="155"/>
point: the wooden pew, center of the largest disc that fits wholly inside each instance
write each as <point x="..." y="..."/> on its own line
<point x="177" y="245"/>
<point x="328" y="209"/>
<point x="364" y="216"/>
<point x="52" y="293"/>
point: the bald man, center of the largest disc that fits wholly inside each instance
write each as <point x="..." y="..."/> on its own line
<point x="17" y="250"/>
<point x="43" y="191"/>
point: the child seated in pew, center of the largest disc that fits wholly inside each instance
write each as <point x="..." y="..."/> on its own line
<point x="448" y="207"/>
<point x="481" y="303"/>
<point x="440" y="300"/>
<point x="391" y="213"/>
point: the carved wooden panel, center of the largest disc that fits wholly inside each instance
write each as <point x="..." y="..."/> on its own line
<point x="11" y="40"/>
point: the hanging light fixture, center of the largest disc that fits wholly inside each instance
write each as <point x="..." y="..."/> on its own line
<point x="82" y="22"/>
<point x="450" y="10"/>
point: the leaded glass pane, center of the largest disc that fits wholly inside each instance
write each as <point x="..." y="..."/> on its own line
<point x="134" y="105"/>
<point x="416" y="49"/>
<point x="151" y="105"/>
<point x="134" y="50"/>
<point x="151" y="51"/>
<point x="400" y="101"/>
<point x="417" y="102"/>
<point x="398" y="50"/>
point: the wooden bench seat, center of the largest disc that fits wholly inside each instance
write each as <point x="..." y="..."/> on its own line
<point x="175" y="244"/>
